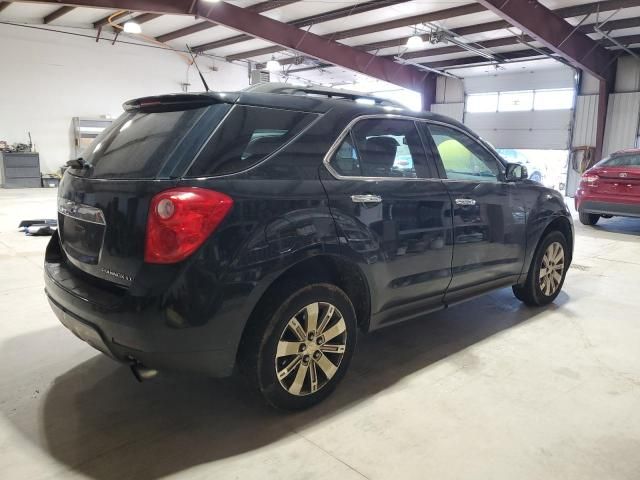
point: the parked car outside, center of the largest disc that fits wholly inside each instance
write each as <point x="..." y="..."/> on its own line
<point x="537" y="173"/>
<point x="263" y="229"/>
<point x="611" y="188"/>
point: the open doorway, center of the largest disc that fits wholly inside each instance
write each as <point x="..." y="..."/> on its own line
<point x="548" y="167"/>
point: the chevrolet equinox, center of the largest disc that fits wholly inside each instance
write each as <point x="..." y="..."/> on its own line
<point x="262" y="229"/>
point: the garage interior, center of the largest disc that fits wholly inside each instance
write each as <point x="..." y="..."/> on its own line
<point x="485" y="389"/>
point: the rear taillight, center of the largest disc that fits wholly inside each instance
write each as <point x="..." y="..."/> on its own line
<point x="590" y="180"/>
<point x="180" y="220"/>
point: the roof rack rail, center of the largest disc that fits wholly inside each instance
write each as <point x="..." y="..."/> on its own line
<point x="288" y="89"/>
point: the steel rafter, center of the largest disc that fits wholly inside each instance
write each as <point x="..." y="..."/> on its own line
<point x="556" y="34"/>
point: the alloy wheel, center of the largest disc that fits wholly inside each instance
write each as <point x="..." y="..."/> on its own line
<point x="311" y="348"/>
<point x="552" y="269"/>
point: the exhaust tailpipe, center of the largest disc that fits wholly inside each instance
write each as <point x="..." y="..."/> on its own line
<point x="141" y="372"/>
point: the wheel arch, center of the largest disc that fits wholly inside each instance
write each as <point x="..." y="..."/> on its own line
<point x="334" y="269"/>
<point x="563" y="225"/>
<point x="557" y="222"/>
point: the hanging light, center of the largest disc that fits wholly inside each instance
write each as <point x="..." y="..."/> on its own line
<point x="273" y="65"/>
<point x="414" y="41"/>
<point x="132" y="27"/>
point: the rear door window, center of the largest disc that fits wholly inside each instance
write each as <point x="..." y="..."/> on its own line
<point x="246" y="137"/>
<point x="381" y="148"/>
<point x="629" y="160"/>
<point x="144" y="145"/>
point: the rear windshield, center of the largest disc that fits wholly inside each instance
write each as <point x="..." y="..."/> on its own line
<point x="143" y="145"/>
<point x="247" y="136"/>
<point x="629" y="160"/>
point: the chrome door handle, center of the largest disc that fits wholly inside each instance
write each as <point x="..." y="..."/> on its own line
<point x="465" y="201"/>
<point x="366" y="198"/>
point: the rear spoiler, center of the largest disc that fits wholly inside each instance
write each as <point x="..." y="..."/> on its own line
<point x="179" y="101"/>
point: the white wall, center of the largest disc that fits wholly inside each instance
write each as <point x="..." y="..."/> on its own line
<point x="48" y="78"/>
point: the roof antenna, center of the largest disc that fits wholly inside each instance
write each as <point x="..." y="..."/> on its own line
<point x="193" y="59"/>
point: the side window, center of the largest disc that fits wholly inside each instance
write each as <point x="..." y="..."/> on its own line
<point x="463" y="157"/>
<point x="381" y="148"/>
<point x="246" y="137"/>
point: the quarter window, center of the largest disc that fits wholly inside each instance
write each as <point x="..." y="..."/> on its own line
<point x="463" y="157"/>
<point x="248" y="136"/>
<point x="381" y="148"/>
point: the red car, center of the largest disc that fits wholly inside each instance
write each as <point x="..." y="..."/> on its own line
<point x="610" y="188"/>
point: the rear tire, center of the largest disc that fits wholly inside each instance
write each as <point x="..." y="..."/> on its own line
<point x="589" y="219"/>
<point x="547" y="272"/>
<point x="303" y="348"/>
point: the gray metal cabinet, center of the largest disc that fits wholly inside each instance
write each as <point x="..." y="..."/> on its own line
<point x="20" y="170"/>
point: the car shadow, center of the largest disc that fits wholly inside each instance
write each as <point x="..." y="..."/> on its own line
<point x="622" y="225"/>
<point x="95" y="419"/>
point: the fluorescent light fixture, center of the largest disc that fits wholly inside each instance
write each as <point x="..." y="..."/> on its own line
<point x="414" y="42"/>
<point x="366" y="101"/>
<point x="273" y="65"/>
<point x="132" y="27"/>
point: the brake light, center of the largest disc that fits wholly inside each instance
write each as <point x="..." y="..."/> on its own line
<point x="590" y="180"/>
<point x="180" y="220"/>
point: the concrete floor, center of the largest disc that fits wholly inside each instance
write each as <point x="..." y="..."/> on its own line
<point x="488" y="389"/>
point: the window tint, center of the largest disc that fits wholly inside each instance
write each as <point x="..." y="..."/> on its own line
<point x="247" y="136"/>
<point x="381" y="148"/>
<point x="463" y="157"/>
<point x="629" y="160"/>
<point x="150" y="145"/>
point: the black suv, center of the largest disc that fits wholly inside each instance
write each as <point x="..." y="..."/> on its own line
<point x="262" y="229"/>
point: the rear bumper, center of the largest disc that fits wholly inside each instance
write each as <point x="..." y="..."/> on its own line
<point x="600" y="207"/>
<point x="140" y="329"/>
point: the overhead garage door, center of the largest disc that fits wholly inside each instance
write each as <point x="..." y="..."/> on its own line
<point x="544" y="129"/>
<point x="532" y="127"/>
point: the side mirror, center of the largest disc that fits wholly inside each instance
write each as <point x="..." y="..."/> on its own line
<point x="516" y="172"/>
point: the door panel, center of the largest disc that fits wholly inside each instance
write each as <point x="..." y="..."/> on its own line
<point x="489" y="220"/>
<point x="396" y="226"/>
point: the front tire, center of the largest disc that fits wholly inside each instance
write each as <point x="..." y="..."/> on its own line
<point x="304" y="348"/>
<point x="589" y="219"/>
<point x="547" y="272"/>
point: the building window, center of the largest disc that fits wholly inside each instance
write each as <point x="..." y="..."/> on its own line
<point x="482" y="102"/>
<point x="560" y="99"/>
<point x="515" y="101"/>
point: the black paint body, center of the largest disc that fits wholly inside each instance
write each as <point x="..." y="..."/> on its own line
<point x="415" y="252"/>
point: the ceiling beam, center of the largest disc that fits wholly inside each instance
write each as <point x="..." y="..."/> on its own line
<point x="378" y="27"/>
<point x="118" y="19"/>
<point x="287" y="36"/>
<point x="567" y="12"/>
<point x="183" y="32"/>
<point x="146" y="17"/>
<point x="290" y="37"/>
<point x="105" y="20"/>
<point x="507" y="41"/>
<point x="57" y="14"/>
<point x="4" y="5"/>
<point x="557" y="34"/>
<point x="507" y="56"/>
<point x="201" y="26"/>
<point x="307" y="21"/>
<point x="470" y="61"/>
